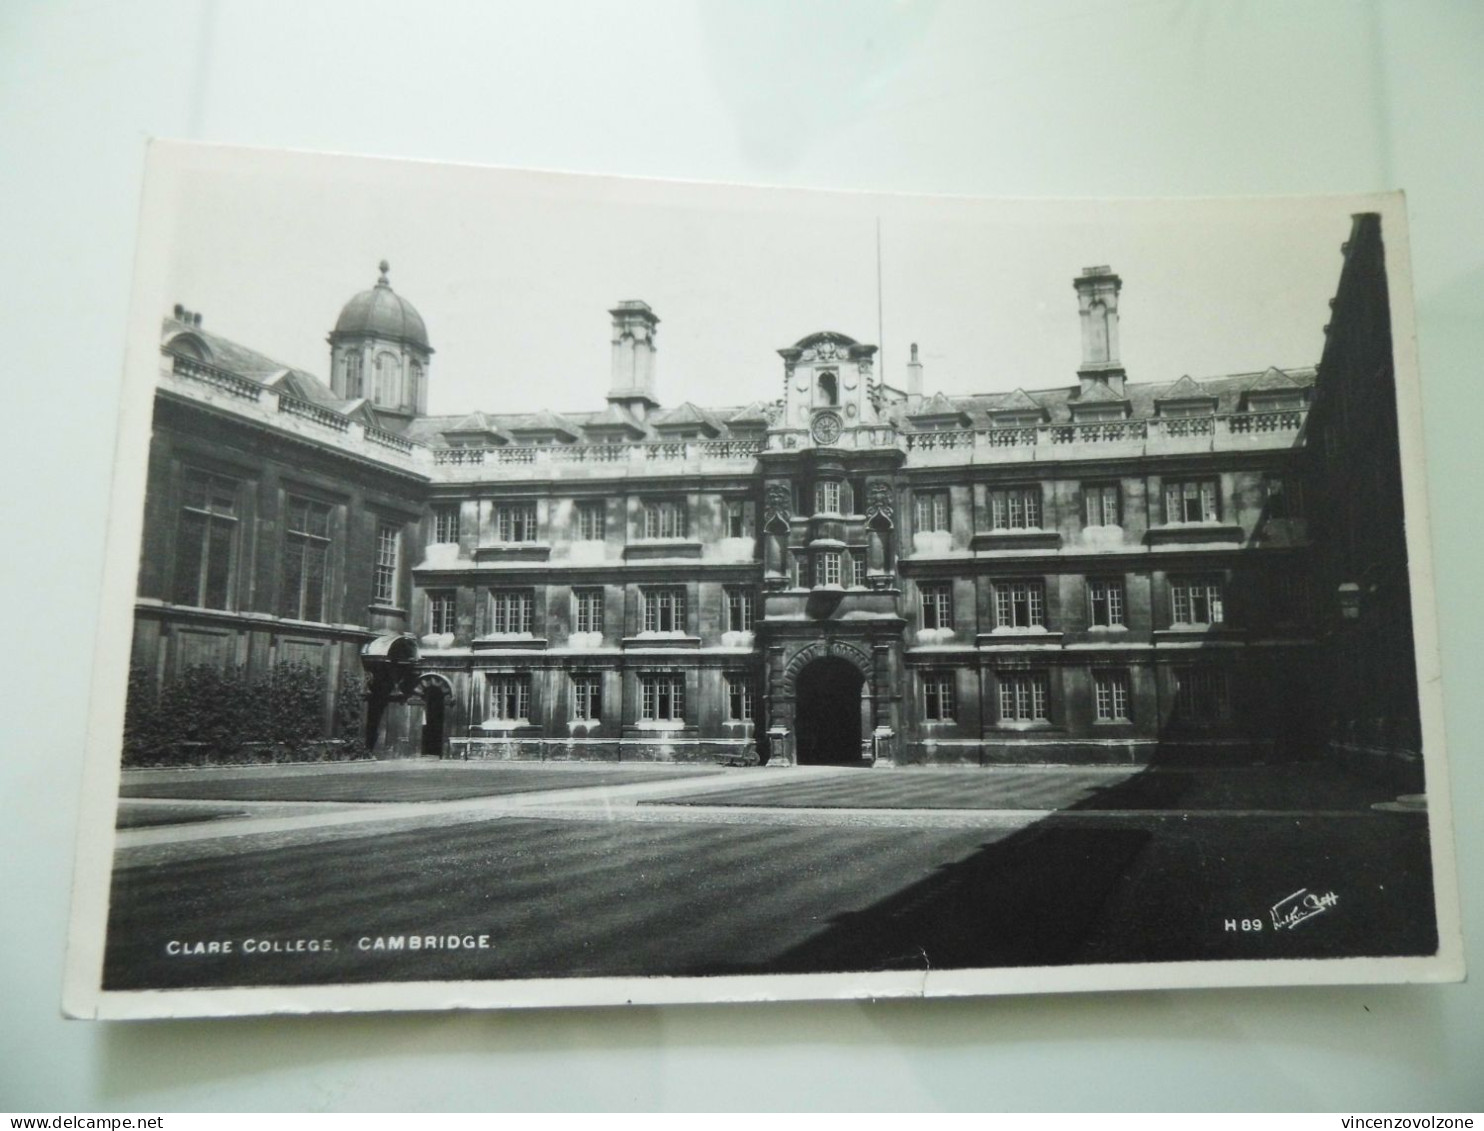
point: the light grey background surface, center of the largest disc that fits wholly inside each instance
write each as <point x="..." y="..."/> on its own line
<point x="1072" y="97"/>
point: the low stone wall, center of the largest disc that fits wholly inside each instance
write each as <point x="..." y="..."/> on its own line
<point x="1071" y="752"/>
<point x="704" y="751"/>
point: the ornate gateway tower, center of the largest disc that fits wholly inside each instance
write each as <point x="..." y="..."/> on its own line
<point x="831" y="628"/>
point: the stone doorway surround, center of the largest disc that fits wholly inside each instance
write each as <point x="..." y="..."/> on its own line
<point x="790" y="664"/>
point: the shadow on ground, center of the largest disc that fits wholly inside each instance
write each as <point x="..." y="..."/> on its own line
<point x="1186" y="885"/>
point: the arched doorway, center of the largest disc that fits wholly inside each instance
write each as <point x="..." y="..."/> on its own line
<point x="827" y="713"/>
<point x="435" y="695"/>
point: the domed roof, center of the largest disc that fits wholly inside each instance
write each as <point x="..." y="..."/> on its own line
<point x="382" y="313"/>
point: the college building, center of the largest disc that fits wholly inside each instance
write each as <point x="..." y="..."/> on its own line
<point x="859" y="571"/>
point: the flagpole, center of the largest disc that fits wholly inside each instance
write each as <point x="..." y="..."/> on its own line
<point x="880" y="323"/>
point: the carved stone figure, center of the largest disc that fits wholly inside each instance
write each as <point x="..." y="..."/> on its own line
<point x="779" y="503"/>
<point x="879" y="499"/>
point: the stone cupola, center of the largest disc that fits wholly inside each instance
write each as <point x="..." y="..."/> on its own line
<point x="379" y="351"/>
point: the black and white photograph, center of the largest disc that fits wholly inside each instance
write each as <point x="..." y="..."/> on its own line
<point x="533" y="589"/>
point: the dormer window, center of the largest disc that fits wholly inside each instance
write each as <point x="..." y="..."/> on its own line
<point x="1188" y="408"/>
<point x="188" y="346"/>
<point x="685" y="422"/>
<point x="1016" y="419"/>
<point x="1185" y="398"/>
<point x="1276" y="402"/>
<point x="938" y="413"/>
<point x="1275" y="391"/>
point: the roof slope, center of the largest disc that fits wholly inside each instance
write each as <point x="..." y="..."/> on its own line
<point x="977" y="410"/>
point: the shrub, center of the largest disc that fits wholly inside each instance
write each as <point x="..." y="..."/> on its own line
<point x="286" y="710"/>
<point x="144" y="732"/>
<point x="350" y="715"/>
<point x="203" y="714"/>
<point x="209" y="714"/>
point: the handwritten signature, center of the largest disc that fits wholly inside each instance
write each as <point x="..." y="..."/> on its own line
<point x="1302" y="905"/>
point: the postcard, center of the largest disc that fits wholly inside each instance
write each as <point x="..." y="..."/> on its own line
<point x="530" y="589"/>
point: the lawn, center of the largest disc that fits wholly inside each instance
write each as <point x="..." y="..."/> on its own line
<point x="1299" y="787"/>
<point x="156" y="816"/>
<point x="573" y="898"/>
<point x="396" y="783"/>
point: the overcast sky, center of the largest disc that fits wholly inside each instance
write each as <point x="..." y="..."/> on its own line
<point x="514" y="274"/>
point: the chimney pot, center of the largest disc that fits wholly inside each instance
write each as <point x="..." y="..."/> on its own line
<point x="914" y="374"/>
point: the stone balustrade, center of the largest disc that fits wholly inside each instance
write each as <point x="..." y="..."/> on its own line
<point x="223" y="379"/>
<point x="244" y="397"/>
<point x="1038" y="443"/>
<point x="308" y="410"/>
<point x="382" y="438"/>
<point x="640" y="456"/>
<point x="1156" y="436"/>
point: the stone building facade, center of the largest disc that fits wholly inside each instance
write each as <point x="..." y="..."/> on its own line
<point x="1368" y="708"/>
<point x="855" y="573"/>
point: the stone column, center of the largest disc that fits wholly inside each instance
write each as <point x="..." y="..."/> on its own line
<point x="781" y="751"/>
<point x="883" y="736"/>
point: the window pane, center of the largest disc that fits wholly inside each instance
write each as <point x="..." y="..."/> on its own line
<point x="292" y="596"/>
<point x="190" y="545"/>
<point x="314" y="581"/>
<point x="1024" y="696"/>
<point x="446" y="523"/>
<point x="937" y="606"/>
<point x="220" y="536"/>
